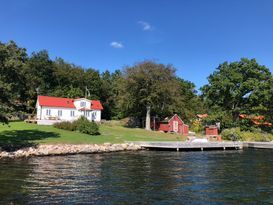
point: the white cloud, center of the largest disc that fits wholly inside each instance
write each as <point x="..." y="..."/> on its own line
<point x="145" y="25"/>
<point x="116" y="44"/>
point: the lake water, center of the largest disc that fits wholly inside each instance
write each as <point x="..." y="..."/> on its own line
<point x="146" y="177"/>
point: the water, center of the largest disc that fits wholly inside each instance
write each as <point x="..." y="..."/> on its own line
<point x="146" y="177"/>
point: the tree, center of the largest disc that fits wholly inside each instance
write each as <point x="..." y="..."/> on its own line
<point x="238" y="87"/>
<point x="108" y="94"/>
<point x="12" y="79"/>
<point x="40" y="74"/>
<point x="93" y="82"/>
<point x="148" y="87"/>
<point x="189" y="103"/>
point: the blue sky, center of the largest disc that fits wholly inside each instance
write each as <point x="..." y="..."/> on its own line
<point x="193" y="35"/>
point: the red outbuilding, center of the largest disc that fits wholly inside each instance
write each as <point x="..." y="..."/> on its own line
<point x="211" y="130"/>
<point x="174" y="124"/>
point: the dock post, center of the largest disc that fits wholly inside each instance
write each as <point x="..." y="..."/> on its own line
<point x="202" y="149"/>
<point x="224" y="148"/>
<point x="177" y="149"/>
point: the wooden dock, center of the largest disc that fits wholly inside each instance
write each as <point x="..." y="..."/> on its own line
<point x="258" y="145"/>
<point x="184" y="146"/>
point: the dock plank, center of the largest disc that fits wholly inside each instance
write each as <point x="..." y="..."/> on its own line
<point x="190" y="145"/>
<point x="259" y="145"/>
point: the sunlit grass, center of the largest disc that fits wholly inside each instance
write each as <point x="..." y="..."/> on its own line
<point x="16" y="131"/>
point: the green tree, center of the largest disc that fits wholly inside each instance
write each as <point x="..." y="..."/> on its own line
<point x="93" y="82"/>
<point x="189" y="103"/>
<point x="148" y="87"/>
<point x="238" y="87"/>
<point x="12" y="80"/>
<point x="109" y="93"/>
<point x="40" y="74"/>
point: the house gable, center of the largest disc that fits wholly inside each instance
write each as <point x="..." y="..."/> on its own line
<point x="176" y="116"/>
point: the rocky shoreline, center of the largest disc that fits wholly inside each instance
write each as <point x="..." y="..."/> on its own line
<point x="66" y="149"/>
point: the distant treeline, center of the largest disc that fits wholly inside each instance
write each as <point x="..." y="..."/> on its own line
<point x="242" y="87"/>
<point x="23" y="77"/>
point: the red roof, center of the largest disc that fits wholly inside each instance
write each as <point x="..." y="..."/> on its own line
<point x="65" y="102"/>
<point x="56" y="102"/>
<point x="202" y="116"/>
<point x="96" y="105"/>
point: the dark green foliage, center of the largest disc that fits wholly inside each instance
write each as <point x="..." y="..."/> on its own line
<point x="66" y="125"/>
<point x="224" y="117"/>
<point x="109" y="93"/>
<point x="156" y="85"/>
<point x="188" y="102"/>
<point x="82" y="125"/>
<point x="243" y="87"/>
<point x="148" y="84"/>
<point x="13" y="92"/>
<point x="87" y="127"/>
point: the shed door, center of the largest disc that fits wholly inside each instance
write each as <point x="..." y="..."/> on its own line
<point x="175" y="126"/>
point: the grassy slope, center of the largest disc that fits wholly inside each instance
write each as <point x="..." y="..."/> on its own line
<point x="21" y="131"/>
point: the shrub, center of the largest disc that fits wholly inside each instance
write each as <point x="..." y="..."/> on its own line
<point x="87" y="127"/>
<point x="82" y="125"/>
<point x="236" y="134"/>
<point x="196" y="126"/>
<point x="66" y="125"/>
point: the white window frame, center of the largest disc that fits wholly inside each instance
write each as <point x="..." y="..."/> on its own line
<point x="60" y="113"/>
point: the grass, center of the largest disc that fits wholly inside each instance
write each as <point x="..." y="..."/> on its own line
<point x="20" y="134"/>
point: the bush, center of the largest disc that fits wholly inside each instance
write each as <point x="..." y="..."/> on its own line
<point x="87" y="127"/>
<point x="82" y="125"/>
<point x="66" y="125"/>
<point x="236" y="134"/>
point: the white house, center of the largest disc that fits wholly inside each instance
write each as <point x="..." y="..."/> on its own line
<point x="54" y="109"/>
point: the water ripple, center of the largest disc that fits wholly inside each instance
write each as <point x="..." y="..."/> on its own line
<point x="216" y="177"/>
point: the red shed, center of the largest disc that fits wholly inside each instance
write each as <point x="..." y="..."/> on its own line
<point x="211" y="130"/>
<point x="174" y="124"/>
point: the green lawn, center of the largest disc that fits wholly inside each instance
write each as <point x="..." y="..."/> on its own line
<point x="20" y="134"/>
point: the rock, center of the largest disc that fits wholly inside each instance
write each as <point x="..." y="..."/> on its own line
<point x="107" y="144"/>
<point x="45" y="150"/>
<point x="4" y="154"/>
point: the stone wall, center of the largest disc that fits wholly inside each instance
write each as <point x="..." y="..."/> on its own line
<point x="65" y="149"/>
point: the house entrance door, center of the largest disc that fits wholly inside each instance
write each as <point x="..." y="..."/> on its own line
<point x="175" y="126"/>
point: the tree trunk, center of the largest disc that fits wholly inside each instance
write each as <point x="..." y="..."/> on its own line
<point x="148" y="118"/>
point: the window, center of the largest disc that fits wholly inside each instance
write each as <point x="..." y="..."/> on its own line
<point x="48" y="112"/>
<point x="83" y="104"/>
<point x="94" y="115"/>
<point x="86" y="114"/>
<point x="72" y="113"/>
<point x="60" y="113"/>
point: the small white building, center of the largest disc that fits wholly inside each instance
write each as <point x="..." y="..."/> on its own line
<point x="55" y="109"/>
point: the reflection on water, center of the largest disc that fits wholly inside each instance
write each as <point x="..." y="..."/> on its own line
<point x="215" y="177"/>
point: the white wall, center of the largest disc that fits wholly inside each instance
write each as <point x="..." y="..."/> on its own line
<point x="94" y="115"/>
<point x="54" y="113"/>
<point x="97" y="115"/>
<point x="77" y="103"/>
